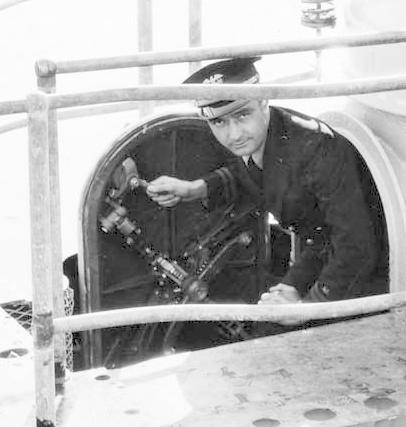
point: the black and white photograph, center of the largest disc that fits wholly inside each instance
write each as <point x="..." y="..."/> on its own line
<point x="203" y="213"/>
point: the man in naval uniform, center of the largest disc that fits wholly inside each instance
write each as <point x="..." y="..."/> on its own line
<point x="307" y="175"/>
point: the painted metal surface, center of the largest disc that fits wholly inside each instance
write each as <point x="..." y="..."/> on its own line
<point x="333" y="375"/>
<point x="382" y="116"/>
<point x="375" y="15"/>
<point x="376" y="147"/>
<point x="16" y="373"/>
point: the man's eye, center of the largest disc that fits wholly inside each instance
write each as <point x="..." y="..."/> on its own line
<point x="218" y="123"/>
<point x="243" y="115"/>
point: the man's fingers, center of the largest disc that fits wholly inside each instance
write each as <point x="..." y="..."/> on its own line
<point x="163" y="179"/>
<point x="278" y="288"/>
<point x="163" y="198"/>
<point x="163" y="191"/>
<point x="168" y="202"/>
<point x="266" y="296"/>
<point x="160" y="189"/>
<point x="163" y="184"/>
<point x="272" y="298"/>
<point x="280" y="294"/>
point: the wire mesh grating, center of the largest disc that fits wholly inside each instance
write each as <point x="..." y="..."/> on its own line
<point x="21" y="311"/>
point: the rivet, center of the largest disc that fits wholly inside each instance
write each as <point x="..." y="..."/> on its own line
<point x="266" y="422"/>
<point x="380" y="403"/>
<point x="319" y="414"/>
<point x="103" y="377"/>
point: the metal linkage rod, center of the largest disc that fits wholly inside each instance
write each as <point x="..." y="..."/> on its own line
<point x="231" y="91"/>
<point x="215" y="312"/>
<point x="206" y="53"/>
<point x="13" y="107"/>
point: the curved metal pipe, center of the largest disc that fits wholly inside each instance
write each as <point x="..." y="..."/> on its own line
<point x="299" y="313"/>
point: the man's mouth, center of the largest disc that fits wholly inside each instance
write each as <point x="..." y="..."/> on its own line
<point x="240" y="144"/>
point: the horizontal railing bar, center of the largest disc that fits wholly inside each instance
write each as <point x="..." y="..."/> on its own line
<point x="101" y="109"/>
<point x="272" y="91"/>
<point x="232" y="312"/>
<point x="13" y="107"/>
<point x="230" y="91"/>
<point x="79" y="112"/>
<point x="13" y="125"/>
<point x="207" y="53"/>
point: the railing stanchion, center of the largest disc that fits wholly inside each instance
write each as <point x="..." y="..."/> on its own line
<point x="195" y="30"/>
<point x="41" y="256"/>
<point x="46" y="82"/>
<point x="145" y="74"/>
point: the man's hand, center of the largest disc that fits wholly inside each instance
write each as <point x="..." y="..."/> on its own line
<point x="168" y="191"/>
<point x="280" y="294"/>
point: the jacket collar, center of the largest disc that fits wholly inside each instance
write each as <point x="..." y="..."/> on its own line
<point x="276" y="169"/>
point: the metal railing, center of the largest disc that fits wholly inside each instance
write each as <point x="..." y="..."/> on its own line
<point x="143" y="59"/>
<point x="46" y="70"/>
<point x="299" y="313"/>
<point x="44" y="195"/>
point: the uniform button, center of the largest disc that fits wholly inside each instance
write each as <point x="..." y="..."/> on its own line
<point x="309" y="241"/>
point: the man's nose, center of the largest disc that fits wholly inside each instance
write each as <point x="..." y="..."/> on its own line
<point x="234" y="130"/>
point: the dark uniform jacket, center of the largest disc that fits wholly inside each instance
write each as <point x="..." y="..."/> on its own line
<point x="315" y="181"/>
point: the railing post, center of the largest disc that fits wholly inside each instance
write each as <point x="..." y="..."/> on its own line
<point x="46" y="81"/>
<point x="195" y="30"/>
<point x="145" y="74"/>
<point x="42" y="304"/>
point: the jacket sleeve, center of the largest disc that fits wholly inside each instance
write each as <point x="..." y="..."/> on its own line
<point x="307" y="267"/>
<point x="332" y="176"/>
<point x="222" y="186"/>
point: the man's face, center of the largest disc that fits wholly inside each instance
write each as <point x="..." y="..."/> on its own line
<point x="244" y="130"/>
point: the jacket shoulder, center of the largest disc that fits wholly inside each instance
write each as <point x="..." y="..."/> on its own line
<point x="302" y="137"/>
<point x="297" y="122"/>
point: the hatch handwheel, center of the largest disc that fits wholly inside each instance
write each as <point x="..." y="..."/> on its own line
<point x="318" y="14"/>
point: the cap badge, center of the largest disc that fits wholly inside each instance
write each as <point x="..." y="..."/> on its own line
<point x="215" y="78"/>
